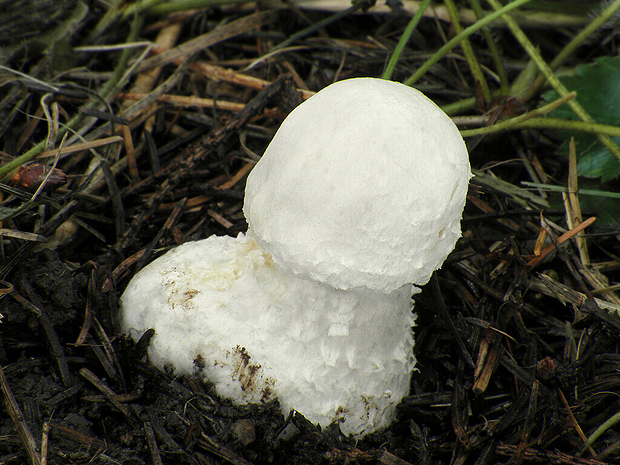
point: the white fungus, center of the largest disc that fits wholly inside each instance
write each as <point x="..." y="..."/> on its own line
<point x="358" y="196"/>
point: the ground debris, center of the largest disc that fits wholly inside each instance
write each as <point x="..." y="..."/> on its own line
<point x="517" y="337"/>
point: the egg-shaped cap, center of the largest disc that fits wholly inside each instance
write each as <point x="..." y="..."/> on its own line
<point x="363" y="185"/>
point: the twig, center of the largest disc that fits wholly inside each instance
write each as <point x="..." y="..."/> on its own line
<point x="80" y="437"/>
<point x="116" y="371"/>
<point x="519" y="195"/>
<point x="45" y="442"/>
<point x="223" y="452"/>
<point x="530" y="416"/>
<point x="192" y="101"/>
<point x="78" y="147"/>
<point x="571" y="202"/>
<point x="459" y="408"/>
<point x="209" y="39"/>
<point x="545" y="456"/>
<point x="109" y="394"/>
<point x="568" y="125"/>
<point x="513" y="123"/>
<point x="548" y="286"/>
<point x="152" y="443"/>
<point x="563" y="238"/>
<point x="18" y="419"/>
<point x="88" y="315"/>
<point x="218" y="74"/>
<point x="120" y="270"/>
<point x="25" y="236"/>
<point x="572" y="421"/>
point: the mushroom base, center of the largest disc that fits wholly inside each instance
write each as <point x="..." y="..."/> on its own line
<point x="223" y="310"/>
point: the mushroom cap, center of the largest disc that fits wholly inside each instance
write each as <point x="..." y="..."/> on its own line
<point x="363" y="186"/>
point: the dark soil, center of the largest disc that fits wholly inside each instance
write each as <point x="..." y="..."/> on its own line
<point x="517" y="360"/>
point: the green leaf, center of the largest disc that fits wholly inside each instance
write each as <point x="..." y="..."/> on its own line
<point x="598" y="91"/>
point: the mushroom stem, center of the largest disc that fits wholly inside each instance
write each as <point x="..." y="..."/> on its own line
<point x="330" y="354"/>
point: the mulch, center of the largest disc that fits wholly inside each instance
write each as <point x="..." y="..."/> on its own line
<point x="517" y="336"/>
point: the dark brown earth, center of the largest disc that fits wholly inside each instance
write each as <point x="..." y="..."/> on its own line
<point x="517" y="361"/>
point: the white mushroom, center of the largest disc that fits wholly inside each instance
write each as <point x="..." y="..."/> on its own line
<point x="359" y="195"/>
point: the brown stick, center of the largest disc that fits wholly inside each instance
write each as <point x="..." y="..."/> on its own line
<point x="563" y="238"/>
<point x="18" y="419"/>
